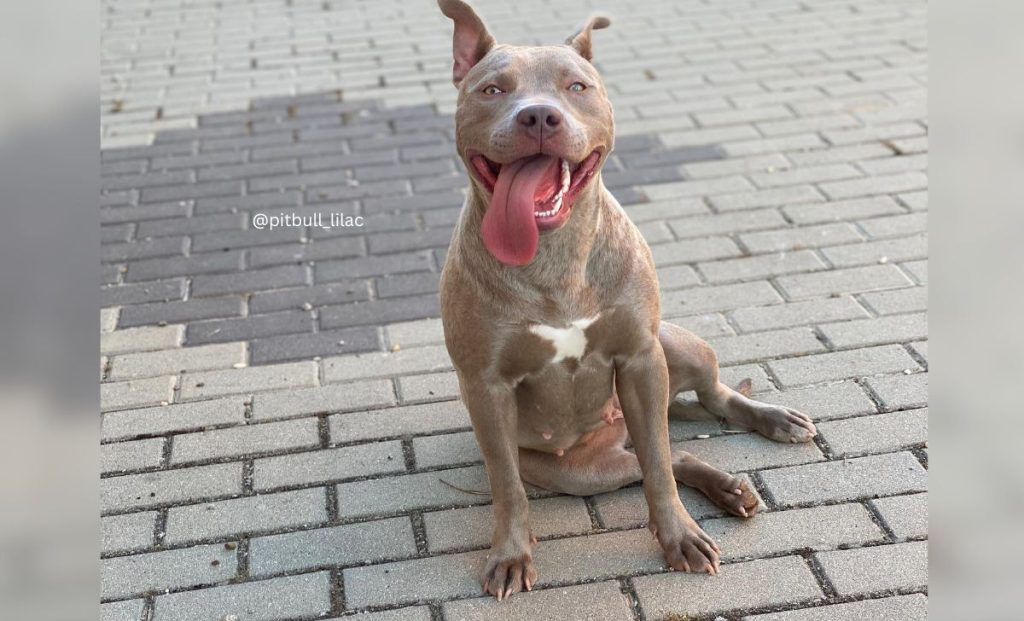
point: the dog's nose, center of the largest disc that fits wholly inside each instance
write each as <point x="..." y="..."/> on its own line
<point x="538" y="119"/>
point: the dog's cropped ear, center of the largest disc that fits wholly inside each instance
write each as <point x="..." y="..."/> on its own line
<point x="580" y="40"/>
<point x="471" y="42"/>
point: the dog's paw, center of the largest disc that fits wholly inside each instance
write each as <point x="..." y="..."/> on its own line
<point x="783" y="424"/>
<point x="732" y="494"/>
<point x="686" y="546"/>
<point x="506" y="574"/>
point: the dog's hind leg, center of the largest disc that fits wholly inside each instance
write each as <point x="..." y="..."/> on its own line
<point x="692" y="365"/>
<point x="602" y="464"/>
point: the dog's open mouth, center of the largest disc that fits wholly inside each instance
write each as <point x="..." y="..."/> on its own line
<point x="529" y="195"/>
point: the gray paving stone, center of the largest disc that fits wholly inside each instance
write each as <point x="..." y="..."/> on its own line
<point x="168" y="569"/>
<point x="142" y="249"/>
<point x="246" y="282"/>
<point x="677" y="277"/>
<point x="154" y="211"/>
<point x="305" y="595"/>
<point x="446" y="449"/>
<point x="595" y="557"/>
<point x="245" y="440"/>
<point x="429" y="387"/>
<point x="177" y="312"/>
<point x="136" y="393"/>
<point x="365" y="542"/>
<point x="761" y="266"/>
<point x="252" y="327"/>
<point x="324" y="343"/>
<point x="765" y="345"/>
<point x="137" y="491"/>
<point x="849" y="479"/>
<point x="406" y="420"/>
<point x="412" y="491"/>
<point x="836" y="400"/>
<point x="774" y="197"/>
<point x="127" y="610"/>
<point x="876" y="184"/>
<point x="874" y="434"/>
<point x="137" y="293"/>
<point x="332" y="293"/>
<point x="698" y="249"/>
<point x="130" y="531"/>
<point x="900" y="608"/>
<point x="323" y="399"/>
<point x="589" y="601"/>
<point x="412" y="333"/>
<point x="205" y="263"/>
<point x="749" y="451"/>
<point x="918" y="270"/>
<point x="380" y="311"/>
<point x="883" y="251"/>
<point x="346" y="269"/>
<point x="717" y="298"/>
<point x="842" y="365"/>
<point x="797" y="313"/>
<point x="738" y="586"/>
<point x="896" y="301"/>
<point x="899" y="392"/>
<point x="205" y="384"/>
<point x="252" y="514"/>
<point x="169" y="418"/>
<point x="906" y="516"/>
<point x="125" y="456"/>
<point x="194" y="224"/>
<point x="426" y="359"/>
<point x="815" y="236"/>
<point x="320" y="249"/>
<point x="471" y="527"/>
<point x="851" y="280"/>
<point x="775" y="532"/>
<point x="876" y="331"/>
<point x="169" y="361"/>
<point x="854" y="572"/>
<point x="724" y="223"/>
<point x="409" y="613"/>
<point x="707" y="326"/>
<point x="834" y="211"/>
<point x="808" y="174"/>
<point x="896" y="226"/>
<point x="328" y="465"/>
<point x="141" y="339"/>
<point x="627" y="508"/>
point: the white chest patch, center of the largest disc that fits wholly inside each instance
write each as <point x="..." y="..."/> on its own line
<point x="569" y="342"/>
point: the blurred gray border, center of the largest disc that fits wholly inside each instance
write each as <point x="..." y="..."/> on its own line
<point x="977" y="224"/>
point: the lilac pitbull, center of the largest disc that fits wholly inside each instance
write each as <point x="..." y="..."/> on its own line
<point x="551" y="311"/>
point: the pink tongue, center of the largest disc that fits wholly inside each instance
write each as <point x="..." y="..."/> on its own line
<point x="509" y="228"/>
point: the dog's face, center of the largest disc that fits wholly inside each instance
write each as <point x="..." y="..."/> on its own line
<point x="533" y="125"/>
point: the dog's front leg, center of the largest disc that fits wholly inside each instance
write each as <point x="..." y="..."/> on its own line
<point x="492" y="410"/>
<point x="641" y="381"/>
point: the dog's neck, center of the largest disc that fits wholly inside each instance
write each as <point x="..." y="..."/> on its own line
<point x="563" y="257"/>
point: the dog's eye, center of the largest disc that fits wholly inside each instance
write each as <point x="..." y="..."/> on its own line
<point x="492" y="90"/>
<point x="577" y="87"/>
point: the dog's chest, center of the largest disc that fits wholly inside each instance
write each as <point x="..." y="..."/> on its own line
<point x="569" y="342"/>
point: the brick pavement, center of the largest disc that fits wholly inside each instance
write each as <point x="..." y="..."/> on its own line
<point x="278" y="410"/>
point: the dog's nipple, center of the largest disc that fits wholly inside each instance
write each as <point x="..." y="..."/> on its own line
<point x="547" y="435"/>
<point x="560" y="452"/>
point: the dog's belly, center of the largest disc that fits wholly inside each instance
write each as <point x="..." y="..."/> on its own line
<point x="565" y="401"/>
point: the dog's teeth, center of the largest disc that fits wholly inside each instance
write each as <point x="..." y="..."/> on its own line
<point x="566" y="176"/>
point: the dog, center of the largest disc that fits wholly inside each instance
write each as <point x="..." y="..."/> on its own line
<point x="550" y="306"/>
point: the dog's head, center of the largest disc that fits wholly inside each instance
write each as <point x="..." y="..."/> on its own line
<point x="533" y="125"/>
